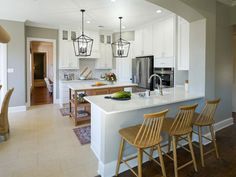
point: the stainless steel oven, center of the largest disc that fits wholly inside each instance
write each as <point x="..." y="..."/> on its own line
<point x="167" y="76"/>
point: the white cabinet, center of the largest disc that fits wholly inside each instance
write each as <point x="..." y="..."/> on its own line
<point x="143" y="41"/>
<point x="138" y="49"/>
<point x="64" y="93"/>
<point x="124" y="66"/>
<point x="164" y="62"/>
<point x="183" y="44"/>
<point x="163" y="42"/>
<point x="67" y="58"/>
<point x="163" y="38"/>
<point x="147" y="40"/>
<point x="157" y="39"/>
<point x="105" y="60"/>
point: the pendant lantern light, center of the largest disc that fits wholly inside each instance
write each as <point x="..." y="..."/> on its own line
<point x="83" y="44"/>
<point x="120" y="48"/>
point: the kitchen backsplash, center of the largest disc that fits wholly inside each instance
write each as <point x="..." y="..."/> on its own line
<point x="90" y="63"/>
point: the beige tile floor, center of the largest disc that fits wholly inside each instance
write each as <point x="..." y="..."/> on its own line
<point x="42" y="144"/>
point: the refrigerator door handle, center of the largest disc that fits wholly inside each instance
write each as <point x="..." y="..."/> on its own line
<point x="138" y="72"/>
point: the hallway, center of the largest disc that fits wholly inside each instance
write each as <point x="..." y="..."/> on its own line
<point x="40" y="96"/>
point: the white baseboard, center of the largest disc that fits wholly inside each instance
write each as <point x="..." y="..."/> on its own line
<point x="219" y="126"/>
<point x="107" y="170"/>
<point x="17" y="109"/>
<point x="56" y="101"/>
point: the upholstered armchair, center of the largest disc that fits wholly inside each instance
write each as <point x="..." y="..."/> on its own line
<point x="4" y="124"/>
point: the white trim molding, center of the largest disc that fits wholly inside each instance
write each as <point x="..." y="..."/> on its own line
<point x="17" y="109"/>
<point x="29" y="81"/>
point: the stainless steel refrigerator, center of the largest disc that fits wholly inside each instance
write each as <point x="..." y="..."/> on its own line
<point x="142" y="69"/>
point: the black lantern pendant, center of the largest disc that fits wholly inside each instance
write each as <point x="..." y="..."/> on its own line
<point x="83" y="44"/>
<point x="120" y="48"/>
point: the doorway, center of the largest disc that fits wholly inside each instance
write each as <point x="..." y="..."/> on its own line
<point x="41" y="72"/>
<point x="39" y="69"/>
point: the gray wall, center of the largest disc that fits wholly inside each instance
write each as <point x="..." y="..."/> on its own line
<point x="45" y="33"/>
<point x="224" y="60"/>
<point x="233" y="15"/>
<point x="16" y="60"/>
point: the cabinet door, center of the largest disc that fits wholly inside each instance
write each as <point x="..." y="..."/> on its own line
<point x="108" y="56"/>
<point x="168" y="34"/>
<point x="183" y="44"/>
<point x="101" y="92"/>
<point x="138" y="43"/>
<point x="117" y="89"/>
<point x="157" y="40"/>
<point x="72" y="59"/>
<point x="101" y="61"/>
<point x="147" y="40"/>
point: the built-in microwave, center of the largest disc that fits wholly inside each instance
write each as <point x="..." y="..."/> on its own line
<point x="167" y="76"/>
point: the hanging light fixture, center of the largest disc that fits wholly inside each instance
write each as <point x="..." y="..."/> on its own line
<point x="83" y="44"/>
<point x="120" y="48"/>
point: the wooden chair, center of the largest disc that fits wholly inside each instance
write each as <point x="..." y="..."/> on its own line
<point x="4" y="124"/>
<point x="206" y="119"/>
<point x="178" y="127"/>
<point x="142" y="137"/>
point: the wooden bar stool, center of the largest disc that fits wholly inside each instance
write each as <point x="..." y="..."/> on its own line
<point x="206" y="119"/>
<point x="142" y="137"/>
<point x="178" y="127"/>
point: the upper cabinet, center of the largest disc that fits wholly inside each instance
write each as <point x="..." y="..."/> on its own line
<point x="143" y="41"/>
<point x="67" y="58"/>
<point x="163" y="38"/>
<point x="105" y="59"/>
<point x="157" y="39"/>
<point x="183" y="44"/>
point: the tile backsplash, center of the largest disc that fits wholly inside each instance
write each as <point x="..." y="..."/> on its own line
<point x="90" y="63"/>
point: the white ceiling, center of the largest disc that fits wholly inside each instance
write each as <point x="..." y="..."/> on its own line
<point x="56" y="13"/>
<point x="228" y="2"/>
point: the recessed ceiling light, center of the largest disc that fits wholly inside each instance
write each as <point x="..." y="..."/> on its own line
<point x="158" y="11"/>
<point x="88" y="21"/>
<point x="113" y="0"/>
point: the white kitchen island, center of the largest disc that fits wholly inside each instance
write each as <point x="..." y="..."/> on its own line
<point x="109" y="116"/>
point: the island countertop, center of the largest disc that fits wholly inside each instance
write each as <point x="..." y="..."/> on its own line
<point x="171" y="95"/>
<point x="81" y="86"/>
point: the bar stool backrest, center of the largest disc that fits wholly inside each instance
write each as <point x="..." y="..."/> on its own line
<point x="183" y="121"/>
<point x="149" y="133"/>
<point x="208" y="112"/>
<point x="4" y="124"/>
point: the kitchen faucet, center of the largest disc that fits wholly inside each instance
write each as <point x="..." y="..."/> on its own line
<point x="159" y="86"/>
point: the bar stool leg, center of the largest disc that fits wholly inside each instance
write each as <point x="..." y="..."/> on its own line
<point x="140" y="161"/>
<point x="214" y="141"/>
<point x="200" y="145"/>
<point x="174" y="146"/>
<point x="169" y="144"/>
<point x="120" y="155"/>
<point x="192" y="152"/>
<point x="161" y="160"/>
<point x="151" y="153"/>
